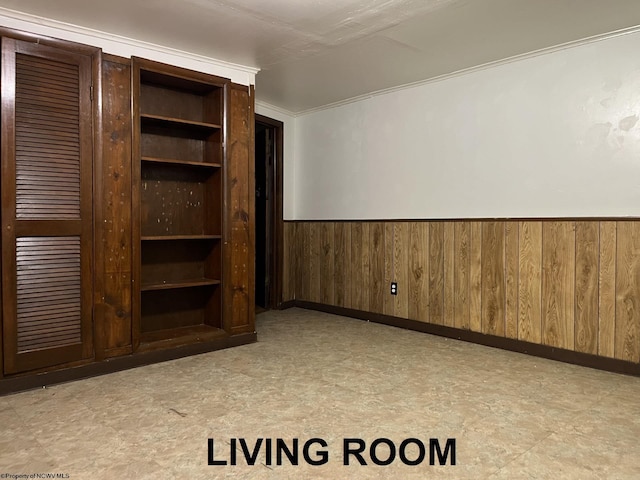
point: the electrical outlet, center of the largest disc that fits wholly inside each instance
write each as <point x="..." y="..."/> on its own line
<point x="394" y="288"/>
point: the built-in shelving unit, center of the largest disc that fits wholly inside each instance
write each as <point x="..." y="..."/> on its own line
<point x="127" y="212"/>
<point x="179" y="116"/>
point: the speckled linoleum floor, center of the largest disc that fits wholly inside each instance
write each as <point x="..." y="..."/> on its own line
<point x="318" y="375"/>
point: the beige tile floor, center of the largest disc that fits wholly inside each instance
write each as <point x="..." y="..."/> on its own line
<point x="318" y="375"/>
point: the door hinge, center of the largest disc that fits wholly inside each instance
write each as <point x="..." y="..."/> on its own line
<point x="91" y="92"/>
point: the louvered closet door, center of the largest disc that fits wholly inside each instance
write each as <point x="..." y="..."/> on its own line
<point x="46" y="206"/>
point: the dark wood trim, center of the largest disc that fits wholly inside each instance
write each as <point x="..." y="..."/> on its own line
<point x="16" y="384"/>
<point x="251" y="168"/>
<point x="512" y="345"/>
<point x="136" y="307"/>
<point x="227" y="312"/>
<point x="179" y="72"/>
<point x="286" y="305"/>
<point x="277" y="230"/>
<point x="97" y="269"/>
<point x="44" y="227"/>
<point x="109" y="57"/>
<point x="117" y="352"/>
<point x="8" y="193"/>
<point x="48" y="41"/>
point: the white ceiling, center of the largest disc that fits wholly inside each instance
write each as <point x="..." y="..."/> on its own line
<point x="316" y="52"/>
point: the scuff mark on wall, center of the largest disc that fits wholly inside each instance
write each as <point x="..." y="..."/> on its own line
<point x="627" y="123"/>
<point x="597" y="135"/>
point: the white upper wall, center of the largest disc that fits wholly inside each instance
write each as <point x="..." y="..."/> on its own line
<point x="289" y="135"/>
<point x="126" y="47"/>
<point x="554" y="135"/>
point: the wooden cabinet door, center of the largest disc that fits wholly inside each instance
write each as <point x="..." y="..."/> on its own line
<point x="46" y="206"/>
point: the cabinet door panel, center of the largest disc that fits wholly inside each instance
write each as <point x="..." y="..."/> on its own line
<point x="46" y="206"/>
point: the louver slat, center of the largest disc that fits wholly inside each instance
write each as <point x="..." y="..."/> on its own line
<point x="46" y="189"/>
<point x="46" y="204"/>
<point x="48" y="317"/>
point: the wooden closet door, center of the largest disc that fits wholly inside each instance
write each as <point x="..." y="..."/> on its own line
<point x="46" y="206"/>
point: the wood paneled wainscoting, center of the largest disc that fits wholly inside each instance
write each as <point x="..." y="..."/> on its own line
<point x="564" y="289"/>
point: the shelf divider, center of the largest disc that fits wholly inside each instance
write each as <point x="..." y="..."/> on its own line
<point x="179" y="122"/>
<point x="155" y="238"/>
<point x="179" y="336"/>
<point x="172" y="161"/>
<point x="200" y="282"/>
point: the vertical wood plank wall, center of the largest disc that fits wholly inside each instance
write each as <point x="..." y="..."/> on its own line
<point x="569" y="284"/>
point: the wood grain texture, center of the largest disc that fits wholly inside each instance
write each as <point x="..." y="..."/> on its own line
<point x="342" y="264"/>
<point x="571" y="285"/>
<point x="530" y="282"/>
<point x="116" y="175"/>
<point x="286" y="260"/>
<point x="511" y="248"/>
<point x="315" y="261"/>
<point x="401" y="245"/>
<point x="327" y="278"/>
<point x="304" y="262"/>
<point x="289" y="261"/>
<point x="419" y="271"/>
<point x="436" y="273"/>
<point x="389" y="268"/>
<point x="627" y="345"/>
<point x="136" y="210"/>
<point x="377" y="251"/>
<point x="586" y="273"/>
<point x="449" y="274"/>
<point x="475" y="278"/>
<point x="558" y="284"/>
<point x="493" y="286"/>
<point x="299" y="252"/>
<point x="462" y="242"/>
<point x="365" y="265"/>
<point x="239" y="297"/>
<point x="607" y="290"/>
<point x="295" y="274"/>
<point x="357" y="274"/>
<point x="117" y="311"/>
<point x="114" y="253"/>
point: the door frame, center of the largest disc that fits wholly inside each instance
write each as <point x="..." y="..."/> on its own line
<point x="277" y="220"/>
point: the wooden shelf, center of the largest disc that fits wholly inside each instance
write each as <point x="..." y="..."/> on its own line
<point x="200" y="282"/>
<point x="153" y="76"/>
<point x="179" y="237"/>
<point x="179" y="336"/>
<point x="170" y="161"/>
<point x="161" y="120"/>
<point x="178" y="140"/>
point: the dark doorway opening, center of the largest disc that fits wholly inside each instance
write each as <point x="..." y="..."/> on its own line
<point x="269" y="222"/>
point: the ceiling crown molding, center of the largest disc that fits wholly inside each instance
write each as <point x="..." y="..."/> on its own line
<point x="275" y="108"/>
<point x="476" y="68"/>
<point x="126" y="47"/>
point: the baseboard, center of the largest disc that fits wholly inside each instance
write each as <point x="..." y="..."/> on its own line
<point x="513" y="345"/>
<point x="286" y="305"/>
<point x="110" y="365"/>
